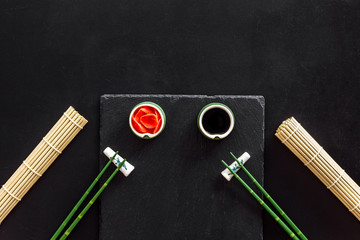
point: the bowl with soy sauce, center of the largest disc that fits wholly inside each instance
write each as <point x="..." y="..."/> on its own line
<point x="215" y="121"/>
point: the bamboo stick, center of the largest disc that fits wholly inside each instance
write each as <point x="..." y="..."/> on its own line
<point x="271" y="200"/>
<point x="300" y="142"/>
<point x="262" y="203"/>
<point x="40" y="159"/>
<point x="91" y="202"/>
<point x="82" y="199"/>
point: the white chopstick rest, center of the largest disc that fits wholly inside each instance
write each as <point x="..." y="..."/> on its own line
<point x="126" y="169"/>
<point x="235" y="166"/>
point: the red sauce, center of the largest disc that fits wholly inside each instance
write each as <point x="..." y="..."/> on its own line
<point x="146" y="119"/>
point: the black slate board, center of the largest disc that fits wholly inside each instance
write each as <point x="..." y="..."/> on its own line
<point x="176" y="190"/>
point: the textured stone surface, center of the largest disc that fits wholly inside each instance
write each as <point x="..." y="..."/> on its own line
<point x="176" y="190"/>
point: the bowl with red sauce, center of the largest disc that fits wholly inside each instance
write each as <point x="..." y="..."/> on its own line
<point x="147" y="120"/>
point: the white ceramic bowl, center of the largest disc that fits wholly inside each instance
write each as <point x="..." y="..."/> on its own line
<point x="215" y="136"/>
<point x="148" y="135"/>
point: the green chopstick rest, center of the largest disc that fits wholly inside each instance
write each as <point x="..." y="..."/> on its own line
<point x="126" y="169"/>
<point x="235" y="166"/>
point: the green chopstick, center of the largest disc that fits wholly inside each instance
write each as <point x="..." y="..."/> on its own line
<point x="91" y="202"/>
<point x="271" y="200"/>
<point x="87" y="192"/>
<point x="262" y="203"/>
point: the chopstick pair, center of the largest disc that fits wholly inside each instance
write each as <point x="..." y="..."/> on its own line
<point x="119" y="162"/>
<point x="240" y="165"/>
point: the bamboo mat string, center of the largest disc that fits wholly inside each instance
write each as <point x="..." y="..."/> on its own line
<point x="31" y="169"/>
<point x="40" y="159"/>
<point x="313" y="156"/>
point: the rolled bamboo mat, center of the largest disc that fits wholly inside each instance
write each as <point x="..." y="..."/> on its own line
<point x="300" y="142"/>
<point x="39" y="160"/>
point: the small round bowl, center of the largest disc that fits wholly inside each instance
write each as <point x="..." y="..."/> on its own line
<point x="150" y="112"/>
<point x="216" y="121"/>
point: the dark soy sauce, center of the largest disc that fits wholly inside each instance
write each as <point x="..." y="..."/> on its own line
<point x="216" y="121"/>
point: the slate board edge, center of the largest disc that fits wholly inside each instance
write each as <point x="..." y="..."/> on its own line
<point x="260" y="98"/>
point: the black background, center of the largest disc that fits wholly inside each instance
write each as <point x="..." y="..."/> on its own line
<point x="302" y="56"/>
